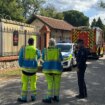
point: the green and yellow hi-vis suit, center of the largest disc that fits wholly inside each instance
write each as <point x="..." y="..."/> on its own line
<point x="52" y="69"/>
<point x="28" y="62"/>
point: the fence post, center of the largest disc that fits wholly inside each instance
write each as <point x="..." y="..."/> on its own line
<point x="25" y="33"/>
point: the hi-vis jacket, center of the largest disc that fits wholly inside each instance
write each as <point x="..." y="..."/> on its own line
<point x="52" y="60"/>
<point x="28" y="57"/>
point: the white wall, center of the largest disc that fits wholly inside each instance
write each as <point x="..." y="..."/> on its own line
<point x="0" y="38"/>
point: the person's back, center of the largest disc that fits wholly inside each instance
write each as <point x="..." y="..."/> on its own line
<point x="52" y="60"/>
<point x="30" y="58"/>
<point x="28" y="62"/>
<point x="81" y="58"/>
<point x="52" y="68"/>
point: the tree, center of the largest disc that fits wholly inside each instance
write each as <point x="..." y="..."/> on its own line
<point x="50" y="11"/>
<point x="10" y="9"/>
<point x="76" y="18"/>
<point x="93" y="24"/>
<point x="59" y="15"/>
<point x="31" y="7"/>
<point x="102" y="4"/>
<point x="99" y="23"/>
<point x="19" y="10"/>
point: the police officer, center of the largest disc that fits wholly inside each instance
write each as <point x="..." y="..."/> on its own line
<point x="52" y="69"/>
<point x="81" y="58"/>
<point x="28" y="57"/>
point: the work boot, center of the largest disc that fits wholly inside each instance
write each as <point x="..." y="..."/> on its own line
<point x="33" y="98"/>
<point x="22" y="99"/>
<point x="47" y="100"/>
<point x="81" y="96"/>
<point x="55" y="98"/>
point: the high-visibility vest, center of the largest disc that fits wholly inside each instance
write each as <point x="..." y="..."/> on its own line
<point x="30" y="53"/>
<point x="52" y="61"/>
<point x="52" y="54"/>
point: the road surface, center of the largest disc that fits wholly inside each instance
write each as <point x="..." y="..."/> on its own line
<point x="95" y="80"/>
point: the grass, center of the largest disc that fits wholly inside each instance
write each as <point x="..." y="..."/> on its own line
<point x="10" y="73"/>
<point x="14" y="72"/>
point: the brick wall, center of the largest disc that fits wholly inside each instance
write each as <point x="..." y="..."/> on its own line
<point x="8" y="62"/>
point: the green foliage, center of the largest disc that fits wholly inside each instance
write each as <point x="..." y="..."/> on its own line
<point x="59" y="16"/>
<point x="93" y="24"/>
<point x="102" y="4"/>
<point x="31" y="7"/>
<point x="19" y="9"/>
<point x="76" y="18"/>
<point x="10" y="9"/>
<point x="50" y="11"/>
<point x="99" y="23"/>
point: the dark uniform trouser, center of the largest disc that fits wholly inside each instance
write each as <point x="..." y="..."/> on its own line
<point x="81" y="81"/>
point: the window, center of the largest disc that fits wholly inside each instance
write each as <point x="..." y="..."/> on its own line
<point x="65" y="48"/>
<point x="15" y="38"/>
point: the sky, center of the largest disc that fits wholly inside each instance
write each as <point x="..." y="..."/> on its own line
<point x="90" y="8"/>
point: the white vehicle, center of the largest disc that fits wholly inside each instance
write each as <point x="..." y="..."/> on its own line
<point x="67" y="50"/>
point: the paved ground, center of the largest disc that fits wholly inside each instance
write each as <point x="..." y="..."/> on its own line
<point x="95" y="79"/>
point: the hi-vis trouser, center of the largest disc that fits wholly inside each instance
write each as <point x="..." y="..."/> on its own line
<point x="28" y="81"/>
<point x="102" y="51"/>
<point x="53" y="81"/>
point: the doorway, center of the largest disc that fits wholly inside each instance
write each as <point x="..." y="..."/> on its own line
<point x="44" y="40"/>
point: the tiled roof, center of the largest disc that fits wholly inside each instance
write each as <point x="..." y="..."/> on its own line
<point x="54" y="23"/>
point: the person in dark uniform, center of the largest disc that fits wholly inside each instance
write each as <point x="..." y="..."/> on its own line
<point x="81" y="58"/>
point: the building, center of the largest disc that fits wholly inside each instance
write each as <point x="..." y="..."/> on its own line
<point x="13" y="35"/>
<point x="48" y="28"/>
